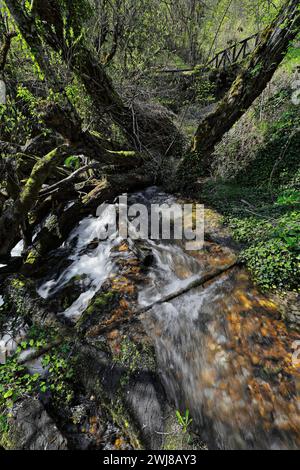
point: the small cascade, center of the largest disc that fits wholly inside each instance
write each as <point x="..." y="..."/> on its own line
<point x="89" y="258"/>
<point x="223" y="351"/>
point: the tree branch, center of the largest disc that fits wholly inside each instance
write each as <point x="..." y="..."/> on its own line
<point x="249" y="84"/>
<point x="5" y="48"/>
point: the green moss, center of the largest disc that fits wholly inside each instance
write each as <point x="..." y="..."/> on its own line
<point x="100" y="304"/>
<point x="134" y="357"/>
<point x="32" y="258"/>
<point x="123" y="153"/>
<point x="123" y="420"/>
<point x="236" y="87"/>
<point x="8" y="438"/>
<point x="100" y="301"/>
<point x="38" y="175"/>
<point x="17" y="283"/>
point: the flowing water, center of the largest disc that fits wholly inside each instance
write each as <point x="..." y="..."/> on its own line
<point x="222" y="349"/>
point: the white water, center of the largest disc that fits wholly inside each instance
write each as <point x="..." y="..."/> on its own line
<point x="173" y="268"/>
<point x="94" y="264"/>
<point x="17" y="250"/>
<point x="190" y="333"/>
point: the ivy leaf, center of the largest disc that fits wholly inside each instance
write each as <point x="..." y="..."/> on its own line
<point x="8" y="394"/>
<point x="72" y="162"/>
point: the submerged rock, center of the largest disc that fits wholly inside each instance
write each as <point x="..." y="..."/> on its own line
<point x="227" y="356"/>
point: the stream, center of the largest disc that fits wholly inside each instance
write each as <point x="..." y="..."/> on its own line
<point x="222" y="349"/>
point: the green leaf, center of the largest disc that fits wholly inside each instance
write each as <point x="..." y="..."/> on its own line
<point x="8" y="394"/>
<point x="72" y="162"/>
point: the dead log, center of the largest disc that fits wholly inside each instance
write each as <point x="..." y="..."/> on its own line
<point x="16" y="212"/>
<point x="66" y="181"/>
<point x="61" y="220"/>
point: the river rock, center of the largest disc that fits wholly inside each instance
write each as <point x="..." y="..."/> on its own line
<point x="227" y="356"/>
<point x="31" y="428"/>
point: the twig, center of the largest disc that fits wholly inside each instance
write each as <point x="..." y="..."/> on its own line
<point x="69" y="179"/>
<point x="198" y="282"/>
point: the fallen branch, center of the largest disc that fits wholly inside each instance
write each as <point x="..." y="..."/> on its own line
<point x="50" y="189"/>
<point x="16" y="213"/>
<point x="34" y="353"/>
<point x="106" y="190"/>
<point x="195" y="282"/>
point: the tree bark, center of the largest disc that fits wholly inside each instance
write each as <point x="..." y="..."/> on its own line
<point x="68" y="119"/>
<point x="146" y="129"/>
<point x="249" y="84"/>
<point x="67" y="125"/>
<point x="16" y="212"/>
<point x="5" y="49"/>
<point x="64" y="220"/>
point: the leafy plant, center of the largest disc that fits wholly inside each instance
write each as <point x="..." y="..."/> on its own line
<point x="60" y="376"/>
<point x="16" y="382"/>
<point x="289" y="197"/>
<point x="273" y="264"/>
<point x="72" y="162"/>
<point x="184" y="420"/>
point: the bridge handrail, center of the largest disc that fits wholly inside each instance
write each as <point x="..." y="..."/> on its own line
<point x="234" y="46"/>
<point x="224" y="54"/>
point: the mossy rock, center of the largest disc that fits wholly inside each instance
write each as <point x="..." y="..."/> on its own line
<point x="29" y="427"/>
<point x="101" y="306"/>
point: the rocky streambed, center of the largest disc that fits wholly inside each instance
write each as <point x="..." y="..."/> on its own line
<point x="110" y="372"/>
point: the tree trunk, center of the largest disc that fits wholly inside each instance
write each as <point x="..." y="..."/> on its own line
<point x="5" y="49"/>
<point x="16" y="212"/>
<point x="249" y="84"/>
<point x="64" y="220"/>
<point x="148" y="129"/>
<point x="30" y="33"/>
<point x="66" y="124"/>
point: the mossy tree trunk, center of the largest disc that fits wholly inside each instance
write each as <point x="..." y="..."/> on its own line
<point x="249" y="84"/>
<point x="144" y="130"/>
<point x="4" y="50"/>
<point x="13" y="219"/>
<point x="94" y="147"/>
